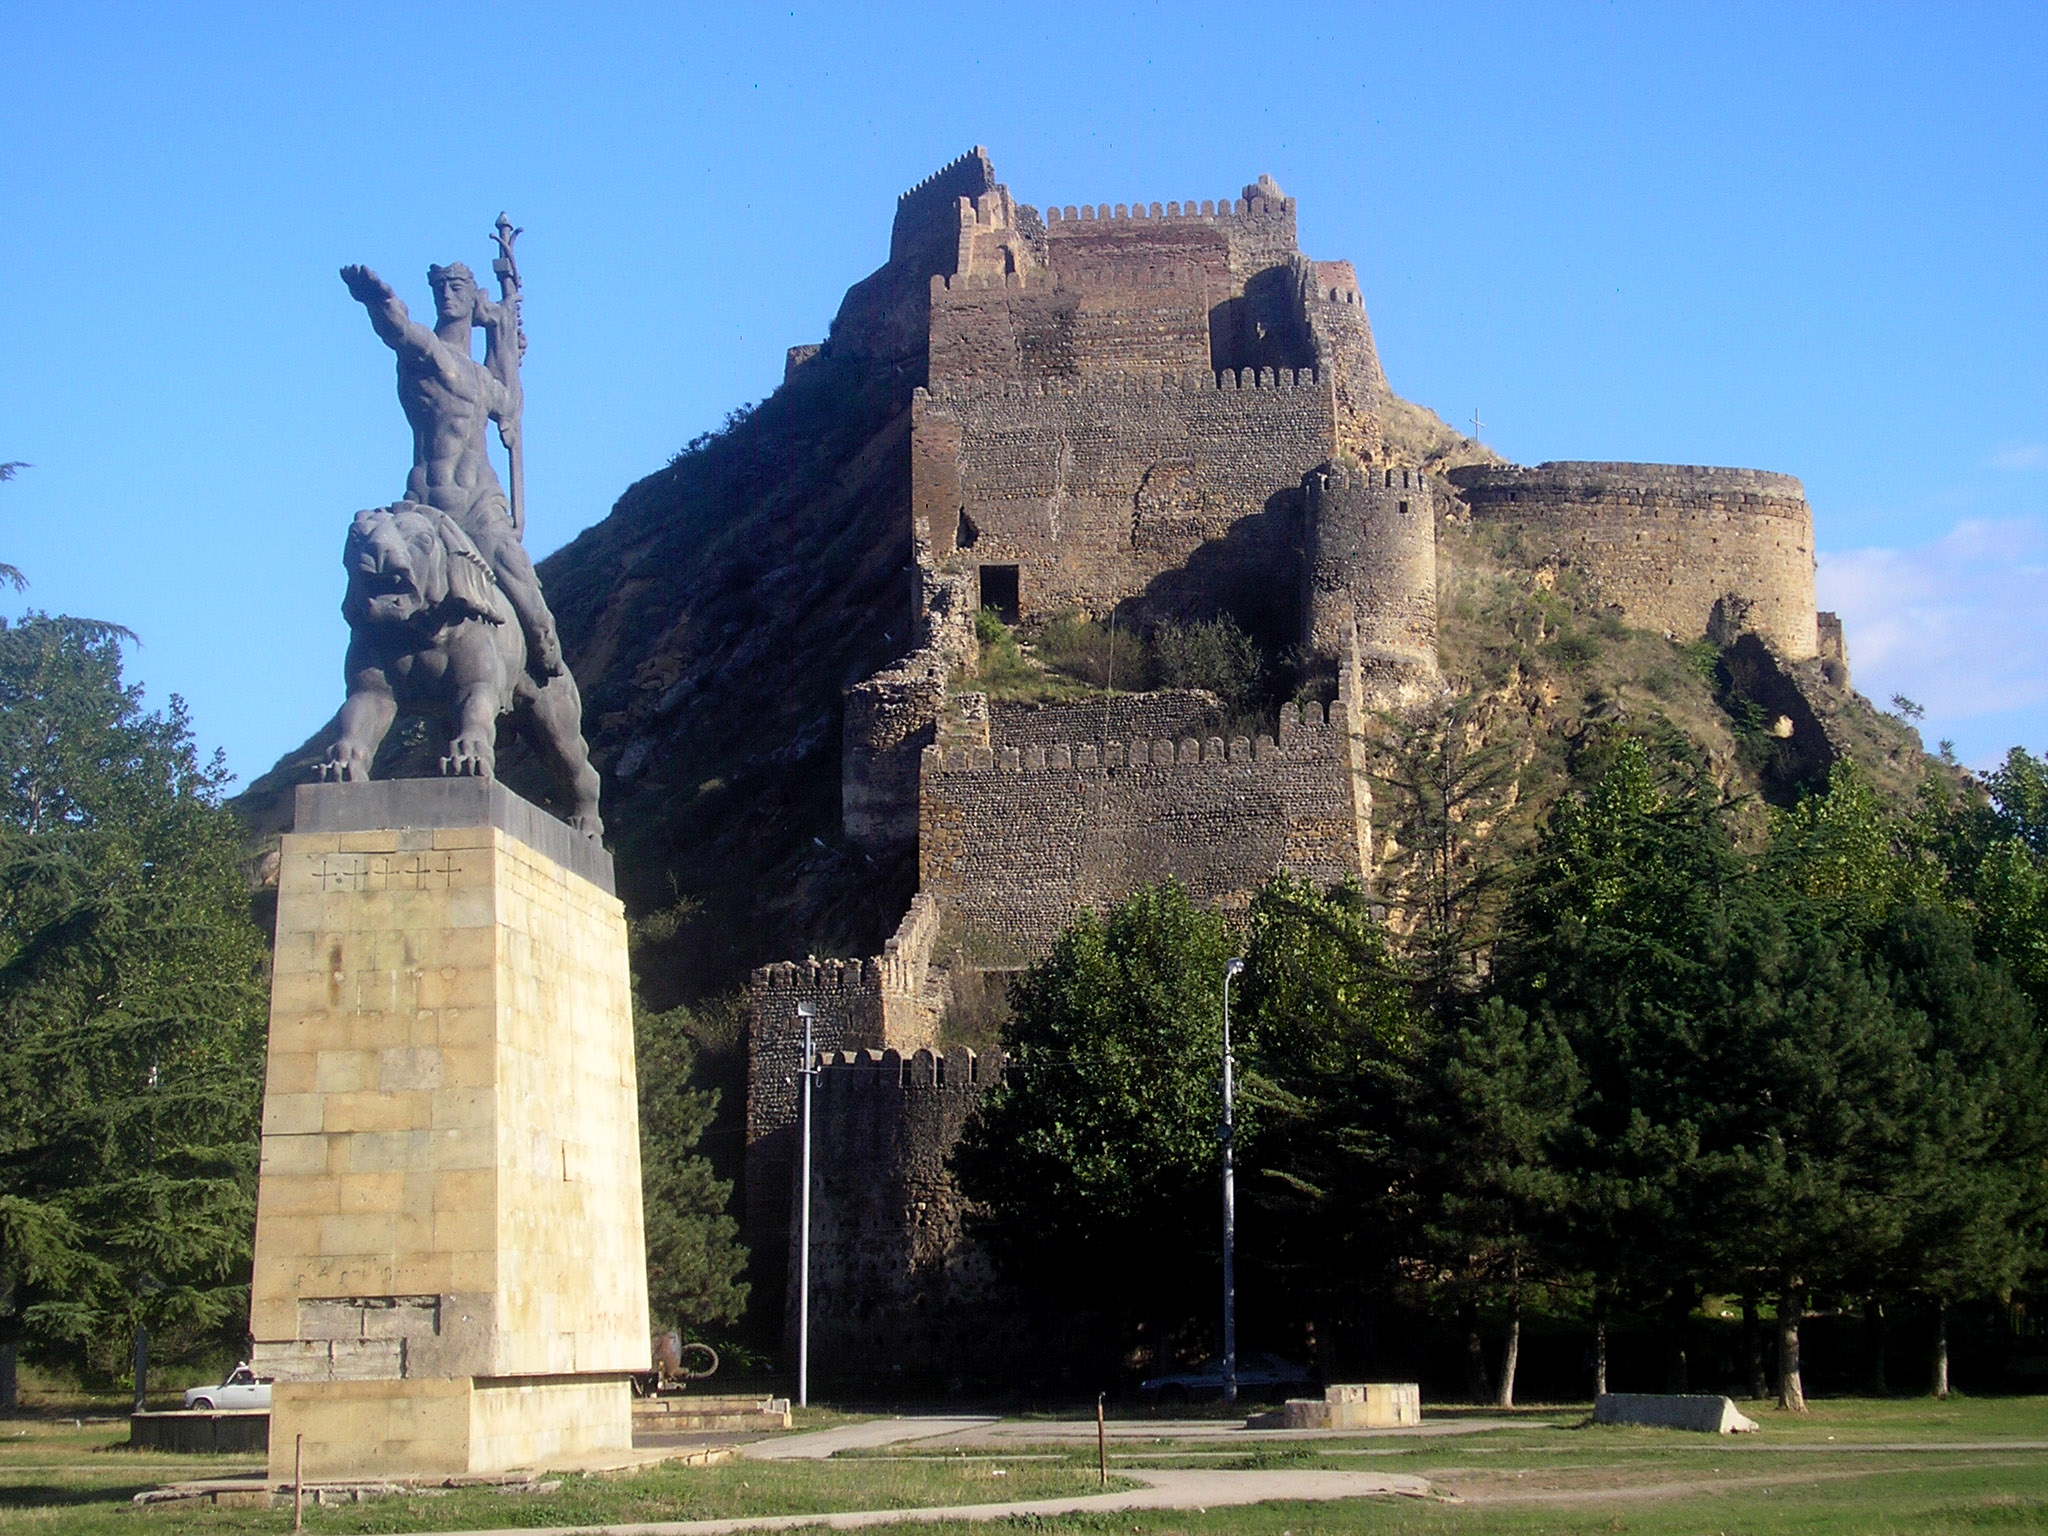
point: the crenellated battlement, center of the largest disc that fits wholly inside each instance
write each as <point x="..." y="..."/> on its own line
<point x="893" y="1071"/>
<point x="1212" y="210"/>
<point x="1228" y="381"/>
<point x="950" y="168"/>
<point x="1304" y="731"/>
<point x="812" y="975"/>
<point x="1190" y="279"/>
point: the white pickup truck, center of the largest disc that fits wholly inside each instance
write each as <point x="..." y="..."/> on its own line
<point x="238" y="1389"/>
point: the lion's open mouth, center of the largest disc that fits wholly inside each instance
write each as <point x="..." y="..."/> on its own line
<point x="385" y="583"/>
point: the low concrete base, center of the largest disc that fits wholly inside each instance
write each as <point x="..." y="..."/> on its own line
<point x="1349" y="1405"/>
<point x="201" y="1430"/>
<point x="694" y="1414"/>
<point x="432" y="1428"/>
<point x="1698" y="1411"/>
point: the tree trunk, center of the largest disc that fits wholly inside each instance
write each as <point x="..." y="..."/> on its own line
<point x="1791" y="1305"/>
<point x="1677" y="1323"/>
<point x="1476" y="1387"/>
<point x="1505" y="1398"/>
<point x="10" y="1386"/>
<point x="1753" y="1347"/>
<point x="1873" y="1347"/>
<point x="1599" y="1346"/>
<point x="1939" y="1385"/>
<point x="141" y="1367"/>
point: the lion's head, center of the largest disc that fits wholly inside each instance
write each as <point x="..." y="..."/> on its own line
<point x="407" y="560"/>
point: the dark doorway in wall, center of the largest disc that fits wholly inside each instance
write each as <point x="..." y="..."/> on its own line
<point x="999" y="591"/>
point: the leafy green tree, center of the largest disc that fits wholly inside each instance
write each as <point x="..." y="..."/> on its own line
<point x="1094" y="1165"/>
<point x="131" y="1016"/>
<point x="1328" y="1011"/>
<point x="694" y="1257"/>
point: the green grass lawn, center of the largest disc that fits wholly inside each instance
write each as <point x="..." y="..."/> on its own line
<point x="62" y="1479"/>
<point x="1546" y="1471"/>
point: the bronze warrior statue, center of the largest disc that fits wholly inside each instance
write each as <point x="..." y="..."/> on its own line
<point x="445" y="611"/>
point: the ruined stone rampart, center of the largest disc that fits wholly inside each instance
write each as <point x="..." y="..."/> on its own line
<point x="895" y="1285"/>
<point x="1096" y="489"/>
<point x="1013" y="842"/>
<point x="1677" y="547"/>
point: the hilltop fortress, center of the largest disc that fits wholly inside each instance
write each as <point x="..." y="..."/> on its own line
<point x="1149" y="410"/>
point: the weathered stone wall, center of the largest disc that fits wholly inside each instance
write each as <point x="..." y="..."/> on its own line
<point x="1108" y="240"/>
<point x="896" y="1286"/>
<point x="1168" y="714"/>
<point x="882" y="1002"/>
<point x="1670" y="543"/>
<point x="1027" y="325"/>
<point x="1013" y="842"/>
<point x="1103" y="490"/>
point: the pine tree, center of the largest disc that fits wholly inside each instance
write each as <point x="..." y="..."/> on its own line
<point x="131" y="1016"/>
<point x="694" y="1257"/>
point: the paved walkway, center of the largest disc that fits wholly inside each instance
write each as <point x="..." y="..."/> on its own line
<point x="820" y="1443"/>
<point x="1006" y="1432"/>
<point x="1163" y="1490"/>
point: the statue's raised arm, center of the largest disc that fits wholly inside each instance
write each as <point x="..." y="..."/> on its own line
<point x="389" y="317"/>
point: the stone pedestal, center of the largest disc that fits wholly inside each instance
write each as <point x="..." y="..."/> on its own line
<point x="450" y="1272"/>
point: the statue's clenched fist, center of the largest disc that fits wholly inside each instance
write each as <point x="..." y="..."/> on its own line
<point x="365" y="286"/>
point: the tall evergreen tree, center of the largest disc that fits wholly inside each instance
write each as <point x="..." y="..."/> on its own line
<point x="131" y="1015"/>
<point x="694" y="1257"/>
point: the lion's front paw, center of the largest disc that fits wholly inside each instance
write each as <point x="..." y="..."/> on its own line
<point x="469" y="757"/>
<point x="344" y="767"/>
<point x="547" y="655"/>
<point x="590" y="825"/>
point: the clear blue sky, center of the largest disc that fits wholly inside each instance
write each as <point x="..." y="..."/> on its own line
<point x="1800" y="238"/>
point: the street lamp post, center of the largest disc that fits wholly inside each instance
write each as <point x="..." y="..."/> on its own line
<point x="1230" y="972"/>
<point x="803" y="1262"/>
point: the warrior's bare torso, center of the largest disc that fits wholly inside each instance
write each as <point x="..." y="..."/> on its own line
<point x="450" y="399"/>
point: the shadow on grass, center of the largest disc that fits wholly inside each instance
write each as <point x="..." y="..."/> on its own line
<point x="19" y="1496"/>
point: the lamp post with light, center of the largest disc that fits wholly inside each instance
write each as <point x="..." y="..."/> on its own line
<point x="803" y="1262"/>
<point x="1230" y="971"/>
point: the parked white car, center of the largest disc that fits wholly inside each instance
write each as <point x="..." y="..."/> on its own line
<point x="238" y="1389"/>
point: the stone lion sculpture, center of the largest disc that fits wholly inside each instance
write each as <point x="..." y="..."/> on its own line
<point x="431" y="633"/>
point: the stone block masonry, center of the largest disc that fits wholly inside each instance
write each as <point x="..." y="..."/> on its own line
<point x="450" y="1263"/>
<point x="1013" y="843"/>
<point x="1676" y="547"/>
<point x="1096" y="492"/>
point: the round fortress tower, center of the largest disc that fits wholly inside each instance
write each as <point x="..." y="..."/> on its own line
<point x="1371" y="564"/>
<point x="1678" y="547"/>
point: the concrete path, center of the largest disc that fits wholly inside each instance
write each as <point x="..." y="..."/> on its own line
<point x="1163" y="1490"/>
<point x="820" y="1443"/>
<point x="1007" y="1432"/>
